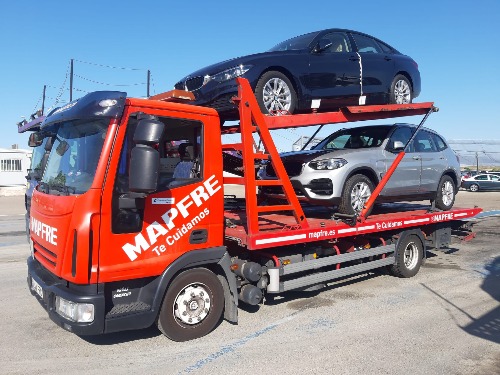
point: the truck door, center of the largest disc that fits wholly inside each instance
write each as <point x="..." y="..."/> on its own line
<point x="144" y="233"/>
<point x="335" y="72"/>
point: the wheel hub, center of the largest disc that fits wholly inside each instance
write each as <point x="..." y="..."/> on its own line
<point x="192" y="304"/>
<point x="359" y="195"/>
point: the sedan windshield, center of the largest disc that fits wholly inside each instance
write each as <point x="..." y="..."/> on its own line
<point x="297" y="43"/>
<point x="363" y="137"/>
<point x="73" y="159"/>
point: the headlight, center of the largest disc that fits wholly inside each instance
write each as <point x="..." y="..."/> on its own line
<point x="327" y="164"/>
<point x="76" y="312"/>
<point x="228" y="74"/>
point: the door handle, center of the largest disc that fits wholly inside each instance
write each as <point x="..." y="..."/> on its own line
<point x="387" y="58"/>
<point x="353" y="58"/>
<point x="416" y="157"/>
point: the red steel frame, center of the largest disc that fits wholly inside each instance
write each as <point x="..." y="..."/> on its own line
<point x="265" y="230"/>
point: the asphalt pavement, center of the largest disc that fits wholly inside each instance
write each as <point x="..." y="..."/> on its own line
<point x="445" y="320"/>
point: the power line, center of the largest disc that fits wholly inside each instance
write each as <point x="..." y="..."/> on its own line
<point x="108" y="66"/>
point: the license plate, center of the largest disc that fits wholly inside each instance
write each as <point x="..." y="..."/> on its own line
<point x="36" y="287"/>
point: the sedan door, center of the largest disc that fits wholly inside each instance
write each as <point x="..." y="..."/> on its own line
<point x="334" y="73"/>
<point x="378" y="68"/>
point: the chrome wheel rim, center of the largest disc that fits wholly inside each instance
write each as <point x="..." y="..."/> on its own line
<point x="447" y="192"/>
<point x="474" y="188"/>
<point x="402" y="92"/>
<point x="411" y="256"/>
<point x="277" y="96"/>
<point x="192" y="304"/>
<point x="359" y="195"/>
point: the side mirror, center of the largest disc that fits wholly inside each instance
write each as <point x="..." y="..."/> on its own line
<point x="323" y="44"/>
<point x="35" y="139"/>
<point x="144" y="159"/>
<point x="62" y="148"/>
<point x="398" y="145"/>
<point x="144" y="169"/>
<point x="148" y="132"/>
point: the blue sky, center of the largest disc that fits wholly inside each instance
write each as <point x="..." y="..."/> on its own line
<point x="456" y="44"/>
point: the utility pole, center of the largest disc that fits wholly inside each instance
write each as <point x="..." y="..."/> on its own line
<point x="149" y="79"/>
<point x="71" y="81"/>
<point x="477" y="162"/>
<point x="43" y="98"/>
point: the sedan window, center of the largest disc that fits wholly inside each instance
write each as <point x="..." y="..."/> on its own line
<point x="297" y="43"/>
<point x="495" y="178"/>
<point x="366" y="44"/>
<point x="481" y="177"/>
<point x="339" y="42"/>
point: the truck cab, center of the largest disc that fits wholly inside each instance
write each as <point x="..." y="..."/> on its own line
<point x="131" y="190"/>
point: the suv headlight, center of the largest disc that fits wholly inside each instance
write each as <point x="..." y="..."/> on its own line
<point x="327" y="164"/>
<point x="228" y="74"/>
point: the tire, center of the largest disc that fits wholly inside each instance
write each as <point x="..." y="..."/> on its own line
<point x="275" y="94"/>
<point x="192" y="306"/>
<point x="408" y="257"/>
<point x="357" y="190"/>
<point x="401" y="91"/>
<point x="445" y="197"/>
<point x="474" y="187"/>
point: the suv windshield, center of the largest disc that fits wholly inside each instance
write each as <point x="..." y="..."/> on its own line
<point x="363" y="137"/>
<point x="73" y="159"/>
<point x="297" y="43"/>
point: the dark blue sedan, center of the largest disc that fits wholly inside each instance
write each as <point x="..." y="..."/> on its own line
<point x="324" y="69"/>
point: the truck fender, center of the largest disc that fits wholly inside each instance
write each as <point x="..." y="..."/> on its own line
<point x="212" y="256"/>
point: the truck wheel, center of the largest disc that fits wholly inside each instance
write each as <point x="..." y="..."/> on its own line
<point x="446" y="193"/>
<point x="357" y="190"/>
<point x="409" y="255"/>
<point x="192" y="306"/>
<point x="275" y="94"/>
<point x="474" y="187"/>
<point x="401" y="92"/>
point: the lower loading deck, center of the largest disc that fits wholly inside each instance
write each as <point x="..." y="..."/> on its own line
<point x="281" y="229"/>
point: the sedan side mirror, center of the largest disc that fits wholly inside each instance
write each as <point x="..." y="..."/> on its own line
<point x="323" y="44"/>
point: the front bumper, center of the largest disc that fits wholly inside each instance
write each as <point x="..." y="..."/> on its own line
<point x="52" y="286"/>
<point x="317" y="191"/>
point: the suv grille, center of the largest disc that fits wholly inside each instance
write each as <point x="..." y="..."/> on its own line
<point x="293" y="168"/>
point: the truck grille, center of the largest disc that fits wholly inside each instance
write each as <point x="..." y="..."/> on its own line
<point x="293" y="168"/>
<point x="45" y="256"/>
<point x="191" y="84"/>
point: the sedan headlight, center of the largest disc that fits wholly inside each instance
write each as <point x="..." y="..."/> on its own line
<point x="228" y="74"/>
<point x="327" y="164"/>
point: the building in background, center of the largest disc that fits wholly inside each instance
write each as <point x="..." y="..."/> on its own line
<point x="14" y="165"/>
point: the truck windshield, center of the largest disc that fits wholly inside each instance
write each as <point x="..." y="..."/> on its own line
<point x="36" y="157"/>
<point x="74" y="156"/>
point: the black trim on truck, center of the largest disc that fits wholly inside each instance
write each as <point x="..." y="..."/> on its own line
<point x="130" y="304"/>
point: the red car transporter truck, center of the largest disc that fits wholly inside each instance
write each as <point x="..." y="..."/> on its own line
<point x="126" y="233"/>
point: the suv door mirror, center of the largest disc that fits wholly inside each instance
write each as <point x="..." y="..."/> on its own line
<point x="398" y="146"/>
